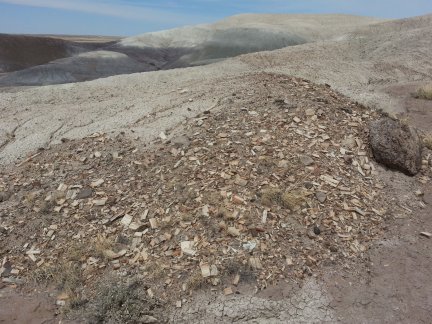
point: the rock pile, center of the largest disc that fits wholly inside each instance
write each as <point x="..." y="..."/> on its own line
<point x="271" y="187"/>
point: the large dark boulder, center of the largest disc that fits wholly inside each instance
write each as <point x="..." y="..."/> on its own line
<point x="396" y="145"/>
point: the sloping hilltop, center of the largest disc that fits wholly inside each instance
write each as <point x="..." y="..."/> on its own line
<point x="180" y="47"/>
<point x="363" y="64"/>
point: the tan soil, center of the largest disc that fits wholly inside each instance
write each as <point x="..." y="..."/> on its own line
<point x="417" y="111"/>
<point x="18" y="308"/>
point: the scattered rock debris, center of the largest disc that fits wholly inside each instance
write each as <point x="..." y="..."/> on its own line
<point x="228" y="195"/>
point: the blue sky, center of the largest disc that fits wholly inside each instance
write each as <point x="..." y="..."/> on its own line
<point x="130" y="17"/>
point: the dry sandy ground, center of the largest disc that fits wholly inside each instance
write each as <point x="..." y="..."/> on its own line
<point x="377" y="65"/>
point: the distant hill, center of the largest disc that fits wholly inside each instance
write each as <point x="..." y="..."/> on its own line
<point x="44" y="60"/>
<point x="19" y="52"/>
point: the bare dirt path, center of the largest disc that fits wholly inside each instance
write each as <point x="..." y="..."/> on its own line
<point x="32" y="308"/>
<point x="394" y="287"/>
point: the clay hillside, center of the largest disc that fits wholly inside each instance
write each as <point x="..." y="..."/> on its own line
<point x="43" y="60"/>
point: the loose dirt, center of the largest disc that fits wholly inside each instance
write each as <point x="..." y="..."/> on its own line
<point x="31" y="308"/>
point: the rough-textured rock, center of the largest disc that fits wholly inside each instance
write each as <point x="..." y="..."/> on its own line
<point x="85" y="193"/>
<point x="4" y="196"/>
<point x="180" y="141"/>
<point x="306" y="160"/>
<point x="396" y="145"/>
<point x="321" y="196"/>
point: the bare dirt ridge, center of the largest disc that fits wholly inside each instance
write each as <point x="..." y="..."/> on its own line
<point x="384" y="280"/>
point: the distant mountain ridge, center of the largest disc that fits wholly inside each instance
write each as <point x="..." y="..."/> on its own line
<point x="45" y="60"/>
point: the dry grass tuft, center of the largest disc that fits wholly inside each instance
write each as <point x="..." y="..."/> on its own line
<point x="271" y="196"/>
<point x="103" y="244"/>
<point x="404" y="121"/>
<point x="196" y="281"/>
<point x="293" y="200"/>
<point x="79" y="252"/>
<point x="66" y="276"/>
<point x="154" y="269"/>
<point x="235" y="267"/>
<point x="427" y="141"/>
<point x="424" y="92"/>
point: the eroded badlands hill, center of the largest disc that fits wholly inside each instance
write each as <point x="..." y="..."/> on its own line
<point x="181" y="47"/>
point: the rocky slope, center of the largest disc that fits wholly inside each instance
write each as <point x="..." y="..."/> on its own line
<point x="260" y="190"/>
<point x="167" y="177"/>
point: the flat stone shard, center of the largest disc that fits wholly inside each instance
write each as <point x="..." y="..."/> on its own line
<point x="4" y="196"/>
<point x="396" y="145"/>
<point x="426" y="234"/>
<point x="306" y="160"/>
<point x="97" y="183"/>
<point x="180" y="141"/>
<point x="321" y="196"/>
<point x="187" y="247"/>
<point x="84" y="193"/>
<point x="147" y="319"/>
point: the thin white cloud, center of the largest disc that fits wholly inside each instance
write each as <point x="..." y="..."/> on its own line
<point x="116" y="10"/>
